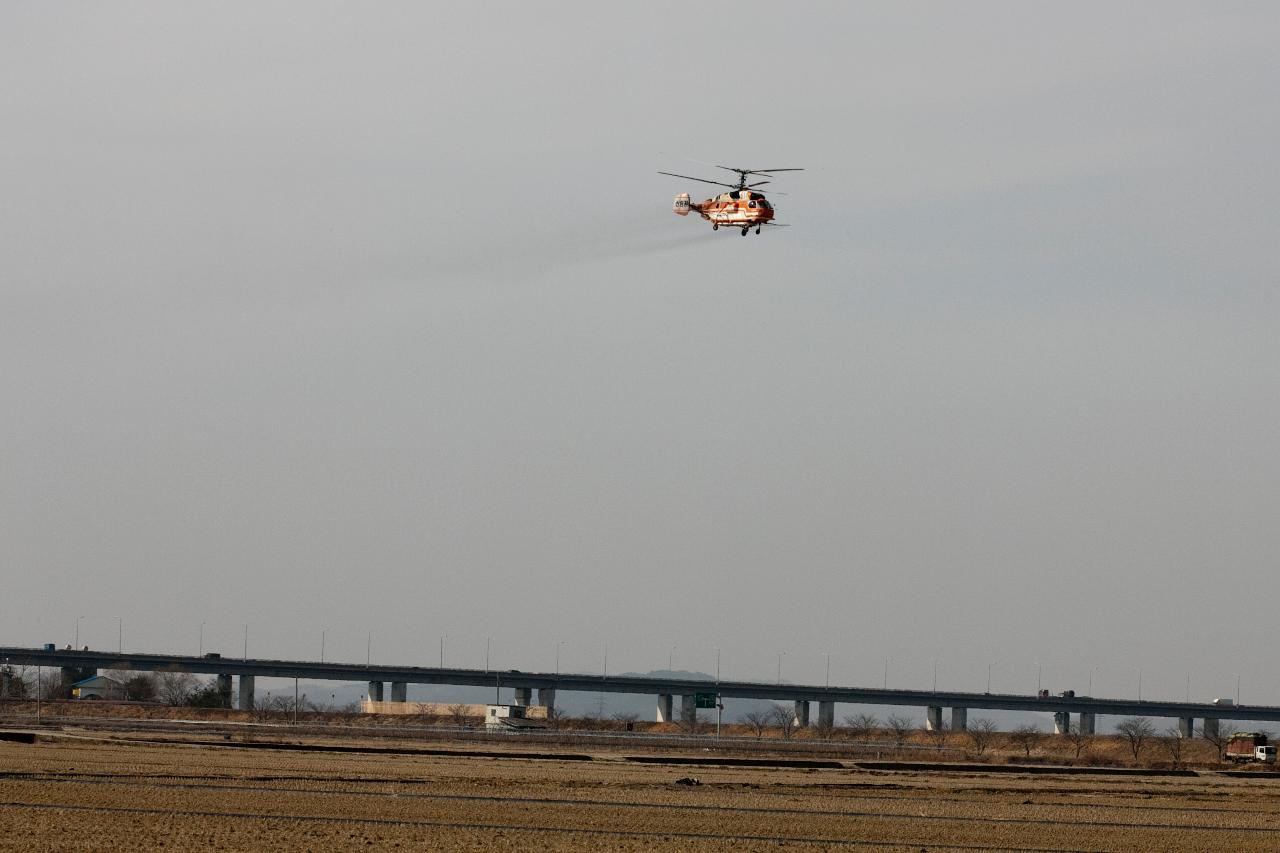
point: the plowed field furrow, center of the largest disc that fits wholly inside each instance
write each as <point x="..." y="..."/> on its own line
<point x="675" y="835"/>
<point x="300" y="780"/>
<point x="940" y="814"/>
<point x="93" y="794"/>
<point x="922" y="829"/>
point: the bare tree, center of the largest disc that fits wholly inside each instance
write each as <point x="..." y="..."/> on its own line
<point x="1136" y="731"/>
<point x="861" y="726"/>
<point x="981" y="732"/>
<point x="1078" y="739"/>
<point x="1173" y="742"/>
<point x="1218" y="736"/>
<point x="174" y="687"/>
<point x="784" y="718"/>
<point x="140" y="687"/>
<point x="758" y="720"/>
<point x="13" y="683"/>
<point x="627" y="719"/>
<point x="1028" y="737"/>
<point x="459" y="714"/>
<point x="901" y="726"/>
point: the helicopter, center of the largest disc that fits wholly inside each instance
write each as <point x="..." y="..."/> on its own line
<point x="744" y="206"/>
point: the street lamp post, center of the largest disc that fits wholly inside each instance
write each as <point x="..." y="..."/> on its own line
<point x="671" y="656"/>
<point x="119" y="635"/>
<point x="935" y="675"/>
<point x="323" y="631"/>
<point x="201" y="639"/>
<point x="780" y="654"/>
<point x="442" y="636"/>
<point x="368" y="649"/>
<point x="77" y="642"/>
<point x="246" y="642"/>
<point x="486" y="654"/>
<point x="1039" y="670"/>
<point x="989" y="666"/>
<point x="827" y="682"/>
<point x="559" y="643"/>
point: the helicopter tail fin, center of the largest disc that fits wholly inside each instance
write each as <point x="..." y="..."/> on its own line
<point x="681" y="207"/>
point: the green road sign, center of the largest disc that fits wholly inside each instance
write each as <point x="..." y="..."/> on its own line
<point x="704" y="700"/>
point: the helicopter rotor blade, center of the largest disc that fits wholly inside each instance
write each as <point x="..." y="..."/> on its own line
<point x="767" y="171"/>
<point x="703" y="180"/>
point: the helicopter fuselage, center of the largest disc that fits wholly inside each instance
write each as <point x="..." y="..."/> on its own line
<point x="737" y="208"/>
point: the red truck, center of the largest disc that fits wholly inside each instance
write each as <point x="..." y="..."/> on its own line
<point x="1249" y="746"/>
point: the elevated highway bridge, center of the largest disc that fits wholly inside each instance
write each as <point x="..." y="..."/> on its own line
<point x="523" y="685"/>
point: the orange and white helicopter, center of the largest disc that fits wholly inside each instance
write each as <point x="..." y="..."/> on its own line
<point x="744" y="206"/>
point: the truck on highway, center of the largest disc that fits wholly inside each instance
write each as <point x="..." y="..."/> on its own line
<point x="1250" y="746"/>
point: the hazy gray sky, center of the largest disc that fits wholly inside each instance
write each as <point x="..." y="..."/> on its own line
<point x="375" y="317"/>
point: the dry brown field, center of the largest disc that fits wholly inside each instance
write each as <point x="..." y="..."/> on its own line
<point x="147" y="791"/>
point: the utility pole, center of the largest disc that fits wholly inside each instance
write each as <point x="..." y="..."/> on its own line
<point x="719" y="701"/>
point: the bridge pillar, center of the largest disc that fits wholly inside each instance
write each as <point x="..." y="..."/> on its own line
<point x="523" y="696"/>
<point x="1186" y="727"/>
<point x="399" y="691"/>
<point x="1061" y="722"/>
<point x="1088" y="722"/>
<point x="547" y="699"/>
<point x="246" y="692"/>
<point x="959" y="719"/>
<point x="375" y="691"/>
<point x="933" y="718"/>
<point x="801" y="717"/>
<point x="826" y="714"/>
<point x="224" y="689"/>
<point x="663" y="714"/>
<point x="689" y="709"/>
<point x="1210" y="729"/>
